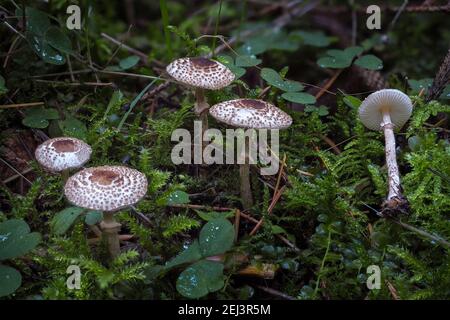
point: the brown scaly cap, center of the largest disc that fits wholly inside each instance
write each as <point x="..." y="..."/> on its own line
<point x="201" y="73"/>
<point x="62" y="153"/>
<point x="106" y="188"/>
<point x="251" y="113"/>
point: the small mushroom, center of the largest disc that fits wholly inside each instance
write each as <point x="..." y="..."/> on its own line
<point x="386" y="110"/>
<point x="63" y="154"/>
<point x="249" y="113"/>
<point x="107" y="189"/>
<point x="201" y="73"/>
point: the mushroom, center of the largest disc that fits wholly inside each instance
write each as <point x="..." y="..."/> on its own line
<point x="107" y="189"/>
<point x="386" y="110"/>
<point x="201" y="73"/>
<point x="255" y="114"/>
<point x="62" y="154"/>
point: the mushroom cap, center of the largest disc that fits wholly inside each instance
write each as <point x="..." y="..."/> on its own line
<point x="62" y="153"/>
<point x="201" y="73"/>
<point x="398" y="104"/>
<point x="251" y="113"/>
<point x="106" y="188"/>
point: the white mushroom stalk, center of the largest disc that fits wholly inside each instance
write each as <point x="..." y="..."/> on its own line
<point x="387" y="110"/>
<point x="63" y="154"/>
<point x="107" y="189"/>
<point x="201" y="74"/>
<point x="254" y="114"/>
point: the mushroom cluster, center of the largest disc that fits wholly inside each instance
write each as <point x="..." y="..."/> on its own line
<point x="106" y="188"/>
<point x="201" y="74"/>
<point x="250" y="114"/>
<point x="387" y="110"/>
<point x="207" y="74"/>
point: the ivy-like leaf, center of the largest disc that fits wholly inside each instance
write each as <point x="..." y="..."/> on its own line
<point x="299" y="97"/>
<point x="64" y="219"/>
<point x="191" y="254"/>
<point x="370" y="62"/>
<point x="200" y="279"/>
<point x="274" y="79"/>
<point x="10" y="280"/>
<point x="16" y="239"/>
<point x="216" y="237"/>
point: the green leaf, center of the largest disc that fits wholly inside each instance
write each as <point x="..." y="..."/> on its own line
<point x="58" y="40"/>
<point x="370" y="62"/>
<point x="277" y="229"/>
<point x="216" y="237"/>
<point x="16" y="239"/>
<point x="191" y="254"/>
<point x="247" y="61"/>
<point x="339" y="59"/>
<point x="43" y="49"/>
<point x="312" y="38"/>
<point x="274" y="79"/>
<point x="200" y="279"/>
<point x="352" y="102"/>
<point x="64" y="219"/>
<point x="10" y="280"/>
<point x="178" y="197"/>
<point x="333" y="62"/>
<point x="73" y="127"/>
<point x="228" y="61"/>
<point x="38" y="117"/>
<point x="46" y="40"/>
<point x="129" y="62"/>
<point x="93" y="217"/>
<point x="211" y="215"/>
<point x="299" y="97"/>
<point x="418" y="85"/>
<point x="37" y="21"/>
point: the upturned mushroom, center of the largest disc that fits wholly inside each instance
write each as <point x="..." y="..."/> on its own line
<point x="253" y="114"/>
<point x="386" y="110"/>
<point x="201" y="73"/>
<point x="107" y="189"/>
<point x="63" y="154"/>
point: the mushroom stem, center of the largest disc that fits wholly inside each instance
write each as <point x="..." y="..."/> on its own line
<point x="244" y="172"/>
<point x="65" y="175"/>
<point x="201" y="107"/>
<point x="391" y="158"/>
<point x="111" y="230"/>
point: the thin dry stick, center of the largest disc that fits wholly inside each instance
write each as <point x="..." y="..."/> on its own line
<point x="15" y="170"/>
<point x="237" y="219"/>
<point x="329" y="83"/>
<point x="21" y="105"/>
<point x="140" y="54"/>
<point x="330" y="143"/>
<point x="16" y="176"/>
<point x="76" y="84"/>
<point x="11" y="48"/>
<point x="276" y="293"/>
<point x="276" y="196"/>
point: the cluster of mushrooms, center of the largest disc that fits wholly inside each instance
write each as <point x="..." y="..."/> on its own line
<point x="112" y="188"/>
<point x="206" y="74"/>
<point x="105" y="188"/>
